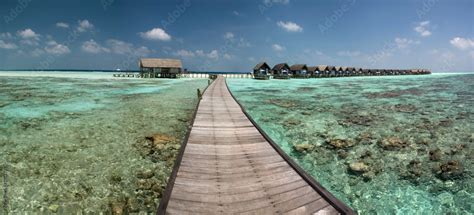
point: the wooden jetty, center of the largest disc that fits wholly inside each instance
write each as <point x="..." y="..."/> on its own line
<point x="228" y="165"/>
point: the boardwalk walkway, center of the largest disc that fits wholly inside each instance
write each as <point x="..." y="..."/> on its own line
<point x="228" y="166"/>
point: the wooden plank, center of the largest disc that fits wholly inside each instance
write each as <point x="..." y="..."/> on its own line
<point x="228" y="167"/>
<point x="311" y="207"/>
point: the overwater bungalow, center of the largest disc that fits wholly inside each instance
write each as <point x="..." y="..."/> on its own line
<point x="414" y="72"/>
<point x="343" y="71"/>
<point x="262" y="71"/>
<point x="373" y="72"/>
<point x="358" y="71"/>
<point x="350" y="71"/>
<point x="312" y="71"/>
<point x="281" y="71"/>
<point x="339" y="71"/>
<point x="331" y="71"/>
<point x="299" y="71"/>
<point x="365" y="72"/>
<point x="323" y="70"/>
<point x="160" y="68"/>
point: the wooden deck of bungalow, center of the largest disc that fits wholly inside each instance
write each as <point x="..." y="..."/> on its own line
<point x="228" y="165"/>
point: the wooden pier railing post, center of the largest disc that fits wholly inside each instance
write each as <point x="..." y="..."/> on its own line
<point x="199" y="94"/>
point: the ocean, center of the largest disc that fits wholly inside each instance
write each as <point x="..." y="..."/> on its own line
<point x="86" y="142"/>
<point x="383" y="145"/>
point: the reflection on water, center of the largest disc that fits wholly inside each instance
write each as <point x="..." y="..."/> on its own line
<point x="90" y="145"/>
<point x="381" y="144"/>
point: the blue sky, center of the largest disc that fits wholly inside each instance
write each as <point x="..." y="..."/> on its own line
<point x="224" y="35"/>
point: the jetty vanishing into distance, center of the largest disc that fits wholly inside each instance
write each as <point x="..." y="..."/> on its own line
<point x="228" y="165"/>
<point x="172" y="68"/>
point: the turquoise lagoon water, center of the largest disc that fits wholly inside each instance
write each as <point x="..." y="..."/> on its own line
<point x="76" y="142"/>
<point x="385" y="145"/>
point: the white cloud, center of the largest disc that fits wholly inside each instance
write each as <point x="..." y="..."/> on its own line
<point x="403" y="43"/>
<point x="29" y="37"/>
<point x="200" y="53"/>
<point x="269" y="2"/>
<point x="57" y="49"/>
<point x="62" y="25"/>
<point x="5" y="45"/>
<point x="290" y="26"/>
<point x="124" y="48"/>
<point x="236" y="13"/>
<point x="184" y="53"/>
<point x="278" y="47"/>
<point x="84" y="25"/>
<point x="422" y="28"/>
<point x="214" y="54"/>
<point x="472" y="54"/>
<point x="28" y="34"/>
<point x="349" y="53"/>
<point x="227" y="56"/>
<point x="462" y="43"/>
<point x="229" y="35"/>
<point x="93" y="47"/>
<point x="156" y="34"/>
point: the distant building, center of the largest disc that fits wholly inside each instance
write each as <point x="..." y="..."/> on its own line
<point x="313" y="71"/>
<point x="160" y="68"/>
<point x="281" y="71"/>
<point x="299" y="70"/>
<point x="262" y="71"/>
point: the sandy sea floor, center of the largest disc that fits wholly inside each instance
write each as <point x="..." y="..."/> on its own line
<point x="84" y="142"/>
<point x="383" y="145"/>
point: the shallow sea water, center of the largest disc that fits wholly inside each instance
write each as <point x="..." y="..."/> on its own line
<point x="383" y="145"/>
<point x="72" y="144"/>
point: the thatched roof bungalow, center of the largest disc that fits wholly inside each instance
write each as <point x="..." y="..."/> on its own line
<point x="323" y="70"/>
<point x="261" y="71"/>
<point x="160" y="67"/>
<point x="373" y="71"/>
<point x="312" y="70"/>
<point x="332" y="71"/>
<point x="281" y="71"/>
<point x="338" y="71"/>
<point x="350" y="71"/>
<point x="299" y="70"/>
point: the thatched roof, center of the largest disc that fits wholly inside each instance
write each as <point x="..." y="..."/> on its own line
<point x="359" y="69"/>
<point x="330" y="68"/>
<point x="350" y="69"/>
<point x="338" y="68"/>
<point x="160" y="62"/>
<point x="281" y="66"/>
<point x="312" y="68"/>
<point x="344" y="68"/>
<point x="322" y="68"/>
<point x="296" y="67"/>
<point x="365" y="70"/>
<point x="261" y="65"/>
